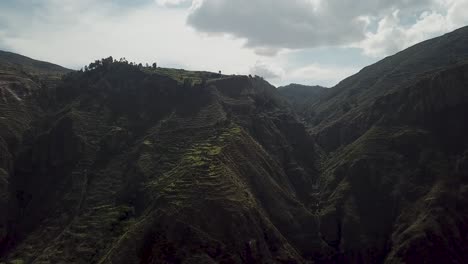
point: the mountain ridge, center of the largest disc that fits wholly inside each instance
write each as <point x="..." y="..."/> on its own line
<point x="129" y="164"/>
<point x="29" y="64"/>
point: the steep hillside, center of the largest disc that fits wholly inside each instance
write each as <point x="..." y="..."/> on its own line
<point x="30" y="66"/>
<point x="393" y="185"/>
<point x="132" y="165"/>
<point x="352" y="99"/>
<point x="24" y="85"/>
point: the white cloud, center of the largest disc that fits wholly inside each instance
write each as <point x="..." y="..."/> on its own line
<point x="278" y="24"/>
<point x="280" y="71"/>
<point x="174" y="3"/>
<point x="241" y="37"/>
<point x="273" y="24"/>
<point x="267" y="71"/>
<point x="457" y="12"/>
<point x="148" y="34"/>
<point x="392" y="35"/>
<point x="316" y="74"/>
<point x="143" y="35"/>
<point x="378" y="27"/>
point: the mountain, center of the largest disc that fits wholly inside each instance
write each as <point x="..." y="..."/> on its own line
<point x="23" y="82"/>
<point x="357" y="94"/>
<point x="129" y="164"/>
<point x="299" y="94"/>
<point x="393" y="185"/>
<point x="9" y="60"/>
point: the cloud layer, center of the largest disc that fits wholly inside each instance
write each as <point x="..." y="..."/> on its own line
<point x="302" y="41"/>
<point x="146" y="33"/>
<point x="392" y="35"/>
<point x="377" y="26"/>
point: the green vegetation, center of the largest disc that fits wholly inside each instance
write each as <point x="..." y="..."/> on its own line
<point x="202" y="153"/>
<point x="183" y="76"/>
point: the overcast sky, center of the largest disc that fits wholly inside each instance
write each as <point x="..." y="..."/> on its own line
<point x="302" y="41"/>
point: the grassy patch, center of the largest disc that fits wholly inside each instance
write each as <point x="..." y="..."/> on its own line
<point x="181" y="75"/>
<point x="201" y="153"/>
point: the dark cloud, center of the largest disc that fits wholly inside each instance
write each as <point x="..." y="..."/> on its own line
<point x="274" y="24"/>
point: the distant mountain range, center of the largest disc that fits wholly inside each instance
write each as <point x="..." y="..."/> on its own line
<point x="122" y="163"/>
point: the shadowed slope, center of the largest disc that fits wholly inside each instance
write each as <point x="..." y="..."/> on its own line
<point x="139" y="165"/>
<point x="393" y="187"/>
<point x="24" y="85"/>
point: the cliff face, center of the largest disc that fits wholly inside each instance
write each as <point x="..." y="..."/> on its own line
<point x="127" y="164"/>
